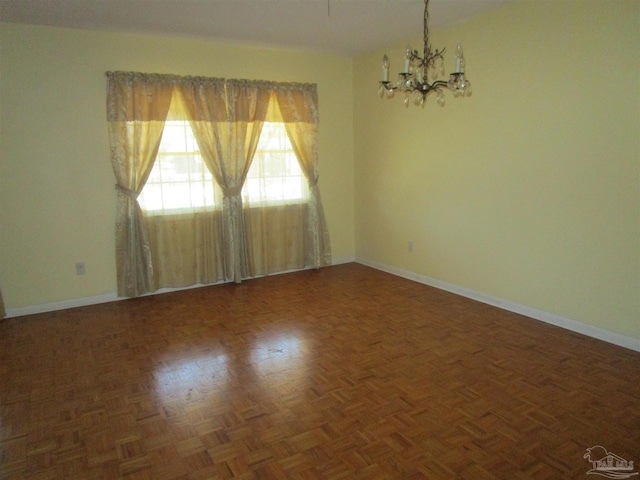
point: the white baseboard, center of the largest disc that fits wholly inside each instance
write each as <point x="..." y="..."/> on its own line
<point x="343" y="260"/>
<point x="62" y="305"/>
<point x="566" y="323"/>
<point x="112" y="297"/>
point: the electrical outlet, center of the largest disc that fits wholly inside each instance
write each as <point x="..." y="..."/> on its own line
<point x="80" y="270"/>
<point x="410" y="246"/>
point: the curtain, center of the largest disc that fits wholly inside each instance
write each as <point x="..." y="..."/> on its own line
<point x="3" y="313"/>
<point x="299" y="110"/>
<point x="275" y="238"/>
<point x="227" y="117"/>
<point x="137" y="107"/>
<point x="186" y="249"/>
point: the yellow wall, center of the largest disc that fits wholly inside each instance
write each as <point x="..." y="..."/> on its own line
<point x="529" y="190"/>
<point x="57" y="197"/>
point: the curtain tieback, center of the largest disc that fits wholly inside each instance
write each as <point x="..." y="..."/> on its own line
<point x="126" y="192"/>
<point x="233" y="191"/>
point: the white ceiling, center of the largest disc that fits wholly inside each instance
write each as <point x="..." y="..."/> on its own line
<point x="349" y="27"/>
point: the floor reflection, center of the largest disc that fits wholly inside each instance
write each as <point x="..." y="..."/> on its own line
<point x="276" y="354"/>
<point x="185" y="378"/>
<point x="272" y="363"/>
<point x="279" y="362"/>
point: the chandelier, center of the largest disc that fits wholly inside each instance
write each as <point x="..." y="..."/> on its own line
<point x="417" y="70"/>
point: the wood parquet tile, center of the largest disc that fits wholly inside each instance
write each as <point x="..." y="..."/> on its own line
<point x="341" y="373"/>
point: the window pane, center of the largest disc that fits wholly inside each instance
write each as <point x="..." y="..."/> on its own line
<point x="173" y="138"/>
<point x="179" y="180"/>
<point x="276" y="165"/>
<point x="251" y="190"/>
<point x="151" y="197"/>
<point x="175" y="195"/>
<point x="198" y="194"/>
<point x="291" y="188"/>
<point x="197" y="168"/>
<point x="273" y="188"/>
<point x="291" y="165"/>
<point x="155" y="176"/>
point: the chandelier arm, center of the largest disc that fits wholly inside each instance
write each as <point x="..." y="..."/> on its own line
<point x="439" y="83"/>
<point x="426" y="88"/>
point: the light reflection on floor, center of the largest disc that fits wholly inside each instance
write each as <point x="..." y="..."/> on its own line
<point x="184" y="378"/>
<point x="279" y="355"/>
<point x="280" y="364"/>
<point x="275" y="362"/>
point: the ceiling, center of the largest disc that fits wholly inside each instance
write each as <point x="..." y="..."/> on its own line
<point x="348" y="27"/>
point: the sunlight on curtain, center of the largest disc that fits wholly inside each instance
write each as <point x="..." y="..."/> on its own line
<point x="227" y="130"/>
<point x="182" y="212"/>
<point x="137" y="107"/>
<point x="275" y="196"/>
<point x="299" y="110"/>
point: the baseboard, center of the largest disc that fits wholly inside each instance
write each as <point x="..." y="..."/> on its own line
<point x="112" y="297"/>
<point x="62" y="305"/>
<point x="566" y="323"/>
<point x="342" y="260"/>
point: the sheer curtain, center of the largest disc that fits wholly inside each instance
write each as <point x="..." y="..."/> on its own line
<point x="299" y="110"/>
<point x="227" y="117"/>
<point x="137" y="107"/>
<point x="185" y="238"/>
<point x="275" y="201"/>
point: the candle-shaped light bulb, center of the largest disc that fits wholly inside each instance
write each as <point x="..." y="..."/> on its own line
<point x="459" y="60"/>
<point x="407" y="60"/>
<point x="385" y="68"/>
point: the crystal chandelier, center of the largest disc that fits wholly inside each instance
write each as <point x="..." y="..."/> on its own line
<point x="414" y="78"/>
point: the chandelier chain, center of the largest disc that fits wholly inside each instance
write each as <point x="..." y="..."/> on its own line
<point x="427" y="48"/>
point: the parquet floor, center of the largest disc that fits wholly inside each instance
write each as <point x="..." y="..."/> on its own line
<point x="341" y="373"/>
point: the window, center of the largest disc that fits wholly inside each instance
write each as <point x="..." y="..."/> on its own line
<point x="181" y="182"/>
<point x="274" y="176"/>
